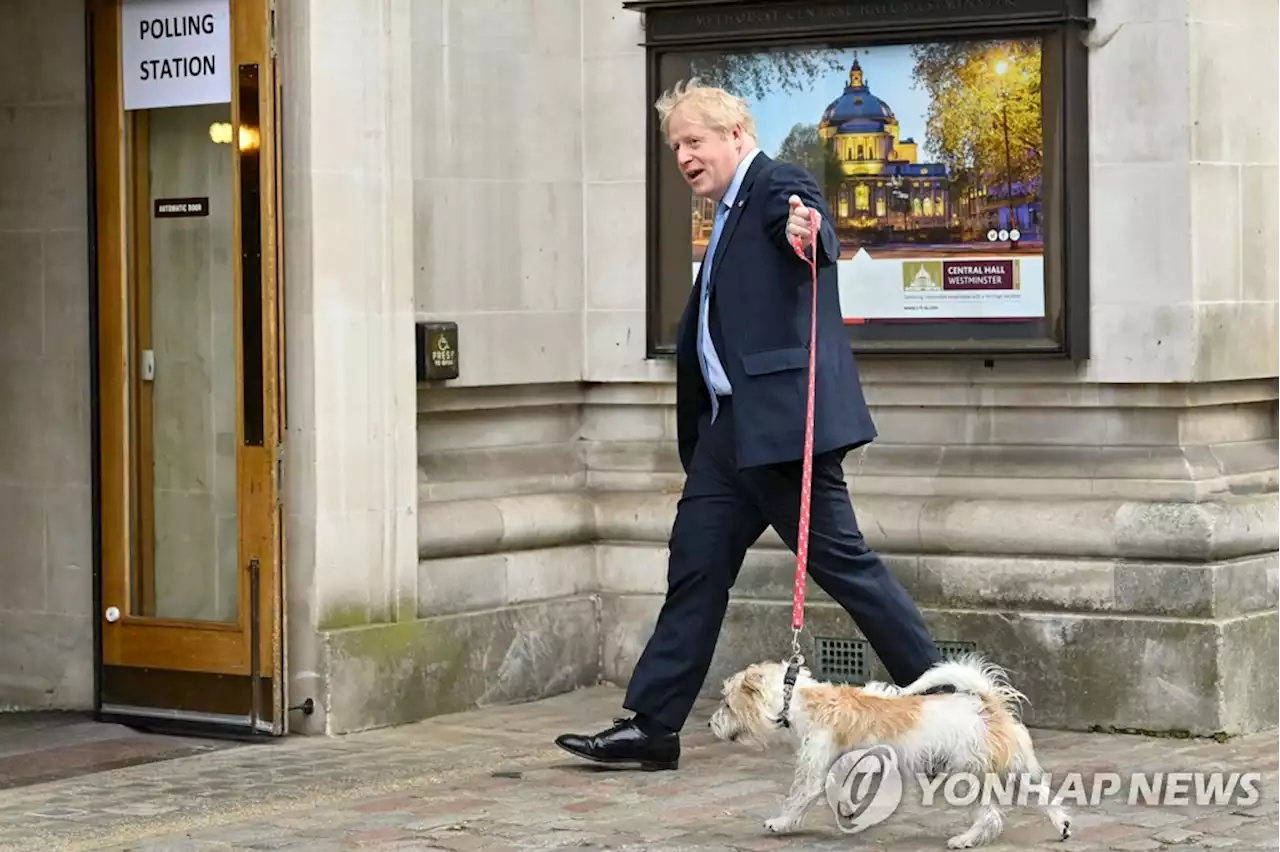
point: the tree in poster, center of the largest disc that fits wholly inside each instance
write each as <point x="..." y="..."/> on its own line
<point x="756" y="75"/>
<point x="804" y="148"/>
<point x="977" y="92"/>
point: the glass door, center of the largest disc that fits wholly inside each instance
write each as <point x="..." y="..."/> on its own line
<point x="189" y="385"/>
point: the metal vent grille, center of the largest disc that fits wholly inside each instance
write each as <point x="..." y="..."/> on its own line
<point x="951" y="650"/>
<point x="841" y="660"/>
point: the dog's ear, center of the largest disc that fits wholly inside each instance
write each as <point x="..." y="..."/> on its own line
<point x="753" y="681"/>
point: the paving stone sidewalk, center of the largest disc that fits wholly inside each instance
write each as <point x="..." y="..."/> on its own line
<point x="492" y="780"/>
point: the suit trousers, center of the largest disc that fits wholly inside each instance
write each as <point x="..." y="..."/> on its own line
<point x="721" y="513"/>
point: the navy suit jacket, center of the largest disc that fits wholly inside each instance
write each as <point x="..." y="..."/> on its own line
<point x="760" y="299"/>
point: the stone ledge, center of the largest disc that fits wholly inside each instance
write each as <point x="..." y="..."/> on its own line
<point x="991" y="471"/>
<point x="911" y="386"/>
<point x="543" y="461"/>
<point x="932" y="383"/>
<point x="1231" y="527"/>
<point x="471" y="399"/>
<point x="1103" y="586"/>
<point x="1184" y="559"/>
<point x="391" y="674"/>
<point x="463" y="584"/>
<point x="533" y="485"/>
<point x="1079" y="672"/>
<point x="523" y="522"/>
<point x="1181" y="473"/>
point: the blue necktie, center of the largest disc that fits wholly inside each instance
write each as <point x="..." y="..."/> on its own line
<point x="703" y="317"/>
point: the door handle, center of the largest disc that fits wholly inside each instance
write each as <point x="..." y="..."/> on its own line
<point x="255" y="632"/>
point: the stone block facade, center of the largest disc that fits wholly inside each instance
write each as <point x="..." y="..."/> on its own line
<point x="1107" y="530"/>
<point x="1115" y="602"/>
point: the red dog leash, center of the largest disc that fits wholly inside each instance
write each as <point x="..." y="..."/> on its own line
<point x="806" y="486"/>
<point x="806" y="481"/>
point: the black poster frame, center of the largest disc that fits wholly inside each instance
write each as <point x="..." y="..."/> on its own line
<point x="698" y="26"/>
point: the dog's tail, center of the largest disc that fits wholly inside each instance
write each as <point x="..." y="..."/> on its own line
<point x="970" y="673"/>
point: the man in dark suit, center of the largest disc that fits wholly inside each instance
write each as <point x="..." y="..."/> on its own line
<point x="742" y="380"/>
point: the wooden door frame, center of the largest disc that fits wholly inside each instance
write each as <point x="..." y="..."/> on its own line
<point x="185" y="648"/>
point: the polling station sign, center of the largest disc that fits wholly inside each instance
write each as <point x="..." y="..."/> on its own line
<point x="176" y="53"/>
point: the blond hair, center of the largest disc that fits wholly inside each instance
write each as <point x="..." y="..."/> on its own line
<point x="714" y="108"/>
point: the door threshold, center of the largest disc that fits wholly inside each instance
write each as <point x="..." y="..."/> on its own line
<point x="184" y="722"/>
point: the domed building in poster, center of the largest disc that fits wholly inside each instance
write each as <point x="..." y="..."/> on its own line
<point x="881" y="185"/>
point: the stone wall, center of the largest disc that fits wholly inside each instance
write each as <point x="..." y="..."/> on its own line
<point x="46" y="564"/>
<point x="1117" y="600"/>
<point x="498" y="184"/>
<point x="1125" y="587"/>
<point x="1183" y="128"/>
<point x="1107" y="531"/>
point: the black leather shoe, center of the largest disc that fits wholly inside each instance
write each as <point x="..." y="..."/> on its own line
<point x="625" y="743"/>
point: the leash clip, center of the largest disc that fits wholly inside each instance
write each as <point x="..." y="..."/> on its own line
<point x="788" y="684"/>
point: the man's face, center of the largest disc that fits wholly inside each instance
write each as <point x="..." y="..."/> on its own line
<point x="706" y="158"/>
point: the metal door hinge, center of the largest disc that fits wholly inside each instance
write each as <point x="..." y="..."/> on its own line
<point x="148" y="365"/>
<point x="272" y="27"/>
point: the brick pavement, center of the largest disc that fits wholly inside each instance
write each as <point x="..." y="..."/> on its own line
<point x="491" y="780"/>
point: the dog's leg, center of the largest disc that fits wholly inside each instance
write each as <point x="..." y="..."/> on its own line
<point x="1057" y="814"/>
<point x="1061" y="820"/>
<point x="805" y="790"/>
<point x="813" y="761"/>
<point x="987" y="825"/>
<point x="1035" y="774"/>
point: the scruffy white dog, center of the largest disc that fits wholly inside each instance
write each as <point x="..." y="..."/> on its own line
<point x="973" y="729"/>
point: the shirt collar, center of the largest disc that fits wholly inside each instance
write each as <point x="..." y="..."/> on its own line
<point x="731" y="194"/>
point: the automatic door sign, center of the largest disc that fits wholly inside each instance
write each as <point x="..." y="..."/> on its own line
<point x="181" y="208"/>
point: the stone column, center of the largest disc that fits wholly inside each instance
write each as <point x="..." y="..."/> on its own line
<point x="350" y="445"/>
